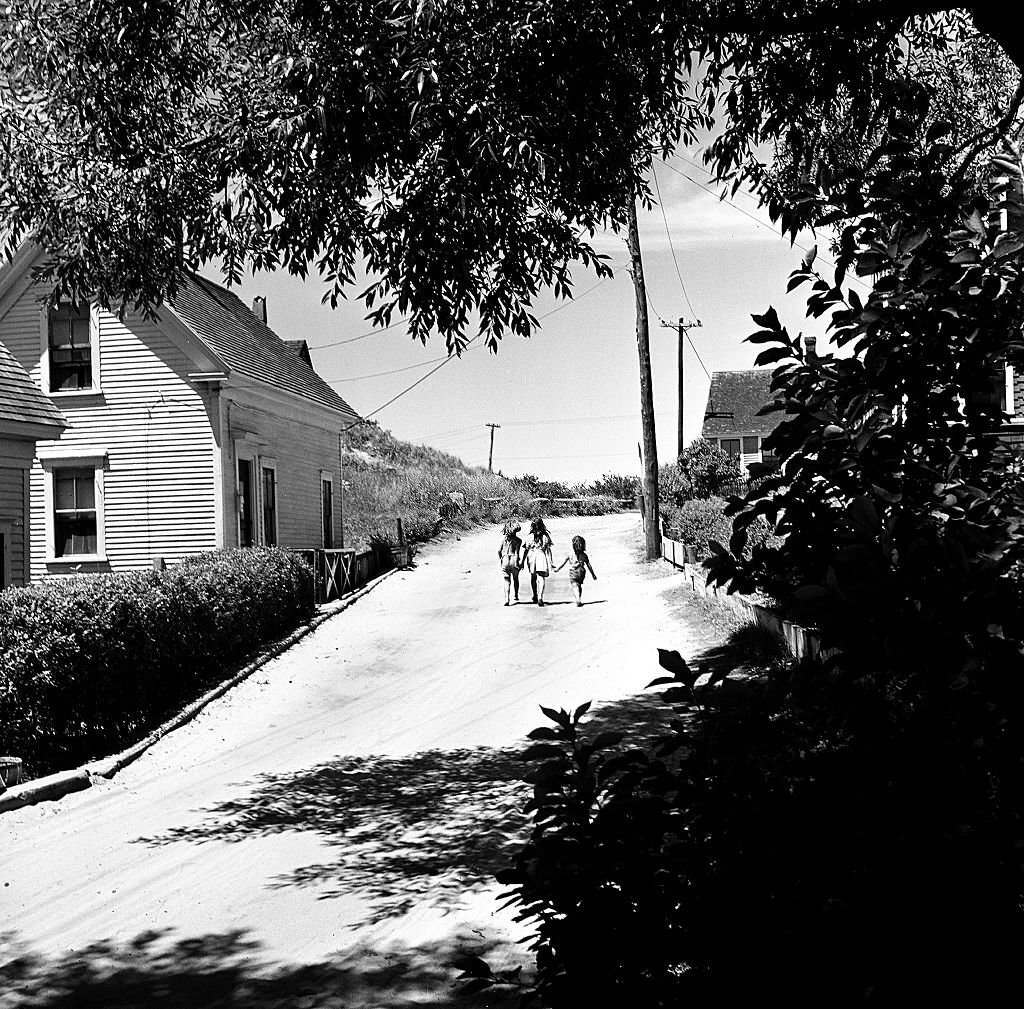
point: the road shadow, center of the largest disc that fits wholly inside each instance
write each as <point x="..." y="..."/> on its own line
<point x="227" y="971"/>
<point x="401" y="830"/>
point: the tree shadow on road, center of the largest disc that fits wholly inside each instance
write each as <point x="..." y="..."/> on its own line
<point x="404" y="831"/>
<point x="225" y="971"/>
<point x="401" y="830"/>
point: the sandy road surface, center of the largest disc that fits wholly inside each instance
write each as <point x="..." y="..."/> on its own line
<point x="325" y="833"/>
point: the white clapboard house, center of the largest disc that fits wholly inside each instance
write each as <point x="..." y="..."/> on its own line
<point x="199" y="430"/>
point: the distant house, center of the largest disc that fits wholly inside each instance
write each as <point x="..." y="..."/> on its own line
<point x="731" y="418"/>
<point x="200" y="430"/>
<point x="26" y="416"/>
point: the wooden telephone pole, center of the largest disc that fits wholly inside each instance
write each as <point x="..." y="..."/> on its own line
<point x="681" y="327"/>
<point x="652" y="525"/>
<point x="490" y="457"/>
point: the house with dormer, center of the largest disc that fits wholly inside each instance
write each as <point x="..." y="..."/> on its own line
<point x="196" y="430"/>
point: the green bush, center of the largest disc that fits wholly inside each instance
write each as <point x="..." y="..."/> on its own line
<point x="701" y="520"/>
<point x="90" y="663"/>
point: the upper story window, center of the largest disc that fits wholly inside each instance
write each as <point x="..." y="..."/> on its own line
<point x="70" y="348"/>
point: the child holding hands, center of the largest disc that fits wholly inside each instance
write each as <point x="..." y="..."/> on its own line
<point x="579" y="565"/>
<point x="510" y="559"/>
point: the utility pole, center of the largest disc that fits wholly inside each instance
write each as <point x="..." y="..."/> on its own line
<point x="652" y="527"/>
<point x="682" y="326"/>
<point x="490" y="457"/>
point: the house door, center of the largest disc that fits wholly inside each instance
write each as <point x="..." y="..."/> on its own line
<point x="246" y="503"/>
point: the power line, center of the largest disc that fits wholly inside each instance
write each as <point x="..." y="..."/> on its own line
<point x="757" y="220"/>
<point x="450" y="357"/>
<point x="671" y="244"/>
<point x="393" y="371"/>
<point x="361" y="336"/>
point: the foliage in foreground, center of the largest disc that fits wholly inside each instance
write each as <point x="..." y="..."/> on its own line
<point x="804" y="840"/>
<point x="89" y="664"/>
<point x="901" y="520"/>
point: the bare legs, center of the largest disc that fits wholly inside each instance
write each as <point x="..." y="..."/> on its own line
<point x="540" y="581"/>
<point x="577" y="591"/>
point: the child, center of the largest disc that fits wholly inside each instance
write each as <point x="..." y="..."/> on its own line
<point x="537" y="556"/>
<point x="578" y="568"/>
<point x="508" y="557"/>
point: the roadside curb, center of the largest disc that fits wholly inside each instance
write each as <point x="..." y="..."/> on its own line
<point x="56" y="786"/>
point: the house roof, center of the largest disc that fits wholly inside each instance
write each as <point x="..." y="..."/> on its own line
<point x="249" y="346"/>
<point x="741" y="393"/>
<point x="21" y="401"/>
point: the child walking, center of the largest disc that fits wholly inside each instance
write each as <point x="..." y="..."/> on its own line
<point x="579" y="565"/>
<point x="510" y="560"/>
<point x="537" y="556"/>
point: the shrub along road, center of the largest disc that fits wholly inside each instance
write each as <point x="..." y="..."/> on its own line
<point x="327" y="830"/>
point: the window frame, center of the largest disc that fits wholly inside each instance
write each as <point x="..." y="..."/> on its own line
<point x="327" y="478"/>
<point x="269" y="465"/>
<point x="755" y="439"/>
<point x="96" y="461"/>
<point x="94" y="355"/>
<point x="739" y="447"/>
<point x="247" y="453"/>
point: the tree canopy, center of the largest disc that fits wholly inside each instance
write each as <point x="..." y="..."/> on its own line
<point x="463" y="152"/>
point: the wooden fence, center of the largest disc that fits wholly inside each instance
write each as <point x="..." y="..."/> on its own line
<point x="802" y="642"/>
<point x="339" y="572"/>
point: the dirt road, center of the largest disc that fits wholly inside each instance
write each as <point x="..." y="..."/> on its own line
<point x="325" y="833"/>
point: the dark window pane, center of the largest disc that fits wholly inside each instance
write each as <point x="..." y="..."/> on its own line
<point x="64" y="496"/>
<point x="70" y="348"/>
<point x="74" y="534"/>
<point x="85" y="490"/>
<point x="750" y="445"/>
<point x="245" y="513"/>
<point x="269" y="508"/>
<point x="730" y="445"/>
<point x="327" y="510"/>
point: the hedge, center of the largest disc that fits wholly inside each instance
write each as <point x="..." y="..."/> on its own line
<point x="89" y="664"/>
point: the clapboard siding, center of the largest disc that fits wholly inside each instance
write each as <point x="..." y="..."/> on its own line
<point x="153" y="424"/>
<point x="12" y="519"/>
<point x="301" y="451"/>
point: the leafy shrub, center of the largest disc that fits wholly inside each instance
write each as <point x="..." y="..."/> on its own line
<point x="802" y="841"/>
<point x="617" y="485"/>
<point x="90" y="663"/>
<point x="708" y="471"/>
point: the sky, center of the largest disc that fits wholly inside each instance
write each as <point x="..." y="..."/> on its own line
<point x="567" y="399"/>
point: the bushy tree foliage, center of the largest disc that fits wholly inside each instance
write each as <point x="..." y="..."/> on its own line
<point x="462" y="152"/>
<point x="902" y="519"/>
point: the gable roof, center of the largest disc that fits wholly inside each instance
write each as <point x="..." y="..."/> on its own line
<point x="249" y="346"/>
<point x="21" y="400"/>
<point x="741" y="393"/>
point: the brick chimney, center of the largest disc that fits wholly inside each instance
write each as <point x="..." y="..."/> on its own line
<point x="259" y="308"/>
<point x="810" y="347"/>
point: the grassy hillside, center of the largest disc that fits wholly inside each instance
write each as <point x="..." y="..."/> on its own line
<point x="385" y="478"/>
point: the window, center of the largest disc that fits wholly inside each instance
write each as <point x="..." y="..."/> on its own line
<point x="750" y="445"/>
<point x="246" y="503"/>
<point x="269" y="503"/>
<point x="69" y="347"/>
<point x="327" y="509"/>
<point x="75" y="517"/>
<point x="730" y="445"/>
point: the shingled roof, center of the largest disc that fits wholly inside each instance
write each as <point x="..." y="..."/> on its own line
<point x="249" y="346"/>
<point x="741" y="393"/>
<point x="21" y="401"/>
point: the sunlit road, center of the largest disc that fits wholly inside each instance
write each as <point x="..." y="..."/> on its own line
<point x="325" y="833"/>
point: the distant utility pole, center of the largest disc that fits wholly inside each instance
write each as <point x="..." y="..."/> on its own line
<point x="682" y="326"/>
<point x="490" y="457"/>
